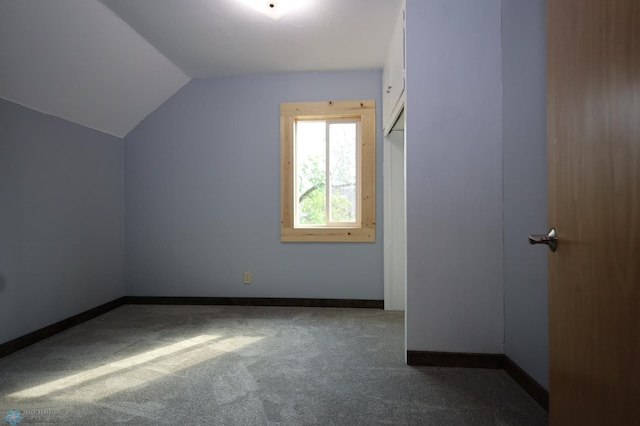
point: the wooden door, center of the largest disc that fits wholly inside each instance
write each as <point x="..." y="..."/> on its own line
<point x="593" y="89"/>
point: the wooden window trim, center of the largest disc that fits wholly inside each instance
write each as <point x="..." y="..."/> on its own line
<point x="366" y="112"/>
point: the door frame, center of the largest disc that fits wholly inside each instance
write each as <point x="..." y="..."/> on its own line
<point x="395" y="266"/>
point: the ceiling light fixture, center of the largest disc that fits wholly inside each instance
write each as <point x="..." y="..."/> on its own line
<point x="274" y="9"/>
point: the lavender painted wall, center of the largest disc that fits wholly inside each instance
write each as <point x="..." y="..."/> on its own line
<point x="454" y="176"/>
<point x="524" y="139"/>
<point x="61" y="219"/>
<point x="202" y="200"/>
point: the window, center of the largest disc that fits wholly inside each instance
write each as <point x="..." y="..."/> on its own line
<point x="327" y="166"/>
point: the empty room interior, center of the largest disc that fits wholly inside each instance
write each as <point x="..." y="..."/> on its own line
<point x="153" y="272"/>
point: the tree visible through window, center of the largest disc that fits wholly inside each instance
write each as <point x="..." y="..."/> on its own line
<point x="328" y="171"/>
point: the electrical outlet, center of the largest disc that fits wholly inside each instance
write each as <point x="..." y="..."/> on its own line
<point x="247" y="277"/>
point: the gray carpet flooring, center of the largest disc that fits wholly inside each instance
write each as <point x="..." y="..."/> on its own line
<point x="222" y="365"/>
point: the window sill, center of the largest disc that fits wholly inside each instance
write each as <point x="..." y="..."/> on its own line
<point x="328" y="235"/>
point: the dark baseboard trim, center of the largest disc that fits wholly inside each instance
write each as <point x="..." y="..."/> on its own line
<point x="526" y="382"/>
<point x="454" y="359"/>
<point x="494" y="361"/>
<point x="255" y="301"/>
<point x="50" y="330"/>
<point x="29" y="339"/>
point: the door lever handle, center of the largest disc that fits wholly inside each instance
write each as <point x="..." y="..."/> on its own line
<point x="551" y="239"/>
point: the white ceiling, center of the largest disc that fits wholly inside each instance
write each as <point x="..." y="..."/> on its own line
<point x="108" y="64"/>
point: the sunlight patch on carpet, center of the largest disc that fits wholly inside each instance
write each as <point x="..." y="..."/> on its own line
<point x="138" y="369"/>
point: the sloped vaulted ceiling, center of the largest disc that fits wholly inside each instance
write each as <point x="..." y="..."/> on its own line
<point x="108" y="64"/>
<point x="77" y="60"/>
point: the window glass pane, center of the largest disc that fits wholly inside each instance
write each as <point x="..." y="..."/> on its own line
<point x="342" y="171"/>
<point x="311" y="154"/>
